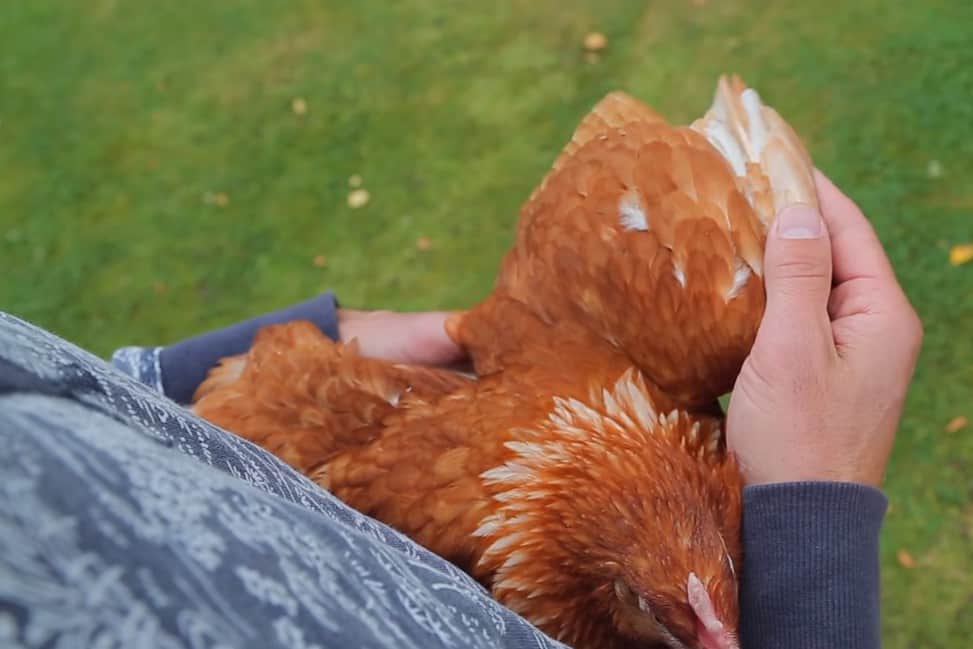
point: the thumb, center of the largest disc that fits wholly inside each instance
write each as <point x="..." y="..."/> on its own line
<point x="797" y="268"/>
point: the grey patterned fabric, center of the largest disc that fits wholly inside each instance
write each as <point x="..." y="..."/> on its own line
<point x="125" y="521"/>
<point x="142" y="364"/>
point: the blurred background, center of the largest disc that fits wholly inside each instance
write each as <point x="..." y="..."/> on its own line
<point x="170" y="167"/>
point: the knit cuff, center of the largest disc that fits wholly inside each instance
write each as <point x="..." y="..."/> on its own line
<point x="185" y="364"/>
<point x="811" y="566"/>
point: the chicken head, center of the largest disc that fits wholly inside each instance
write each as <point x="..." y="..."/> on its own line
<point x="604" y="510"/>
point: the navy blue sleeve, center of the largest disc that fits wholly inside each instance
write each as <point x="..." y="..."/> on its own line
<point x="811" y="566"/>
<point x="183" y="365"/>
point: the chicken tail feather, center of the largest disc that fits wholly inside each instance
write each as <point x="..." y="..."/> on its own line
<point x="766" y="155"/>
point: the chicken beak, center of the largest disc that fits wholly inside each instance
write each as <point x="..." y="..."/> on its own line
<point x="710" y="632"/>
<point x="708" y="640"/>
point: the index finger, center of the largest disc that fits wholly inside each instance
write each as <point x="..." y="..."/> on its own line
<point x="856" y="251"/>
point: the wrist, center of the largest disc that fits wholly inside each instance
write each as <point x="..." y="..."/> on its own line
<point x="809" y="456"/>
<point x="812" y="564"/>
<point x="185" y="364"/>
<point x="833" y="473"/>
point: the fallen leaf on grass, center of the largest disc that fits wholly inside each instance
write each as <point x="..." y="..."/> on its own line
<point x="358" y="198"/>
<point x="220" y="199"/>
<point x="960" y="254"/>
<point x="423" y="243"/>
<point x="595" y="41"/>
<point x="956" y="424"/>
<point x="906" y="560"/>
<point x="299" y="106"/>
<point x="320" y="261"/>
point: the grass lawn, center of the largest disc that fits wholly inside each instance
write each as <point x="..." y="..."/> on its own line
<point x="156" y="179"/>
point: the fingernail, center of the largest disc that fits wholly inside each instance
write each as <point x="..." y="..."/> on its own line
<point x="799" y="221"/>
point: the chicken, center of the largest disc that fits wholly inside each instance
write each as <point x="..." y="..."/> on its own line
<point x="581" y="475"/>
<point x="652" y="237"/>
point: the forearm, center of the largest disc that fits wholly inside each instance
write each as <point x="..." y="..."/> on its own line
<point x="811" y="569"/>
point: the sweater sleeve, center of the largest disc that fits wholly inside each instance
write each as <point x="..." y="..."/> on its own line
<point x="183" y="365"/>
<point x="811" y="567"/>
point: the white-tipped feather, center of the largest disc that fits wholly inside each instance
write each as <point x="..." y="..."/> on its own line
<point x="720" y="137"/>
<point x="741" y="274"/>
<point x="679" y="274"/>
<point x="503" y="543"/>
<point x="746" y="132"/>
<point x="756" y="133"/>
<point x="489" y="525"/>
<point x="631" y="213"/>
<point x="510" y="472"/>
<point x="625" y="408"/>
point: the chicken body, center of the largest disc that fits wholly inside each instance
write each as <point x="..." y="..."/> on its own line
<point x="582" y="475"/>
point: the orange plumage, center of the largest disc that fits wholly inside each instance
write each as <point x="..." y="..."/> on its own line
<point x="582" y="474"/>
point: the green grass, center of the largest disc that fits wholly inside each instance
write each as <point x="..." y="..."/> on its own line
<point x="117" y="118"/>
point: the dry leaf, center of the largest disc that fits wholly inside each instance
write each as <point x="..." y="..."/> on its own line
<point x="595" y="41"/>
<point x="906" y="560"/>
<point x="934" y="169"/>
<point x="355" y="181"/>
<point x="320" y="261"/>
<point x="299" y="106"/>
<point x="423" y="243"/>
<point x="160" y="287"/>
<point x="220" y="199"/>
<point x="358" y="198"/>
<point x="956" y="424"/>
<point x="961" y="253"/>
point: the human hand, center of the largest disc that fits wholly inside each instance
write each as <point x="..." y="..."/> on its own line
<point x="417" y="338"/>
<point x="820" y="396"/>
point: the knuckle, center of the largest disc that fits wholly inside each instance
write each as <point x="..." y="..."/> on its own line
<point x="904" y="322"/>
<point x="915" y="328"/>
<point x="801" y="268"/>
<point x="915" y="333"/>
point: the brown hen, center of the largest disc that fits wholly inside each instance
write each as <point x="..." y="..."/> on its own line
<point x="582" y="475"/>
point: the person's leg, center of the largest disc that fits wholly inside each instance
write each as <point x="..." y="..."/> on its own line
<point x="32" y="359"/>
<point x="116" y="528"/>
<point x="111" y="538"/>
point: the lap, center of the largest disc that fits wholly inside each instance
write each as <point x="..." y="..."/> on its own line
<point x="125" y="519"/>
